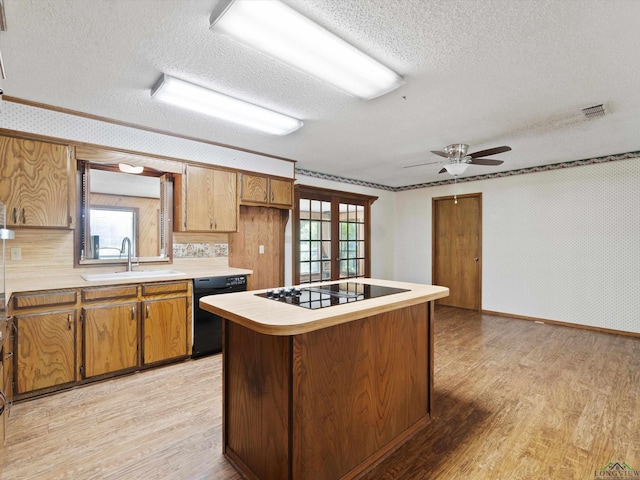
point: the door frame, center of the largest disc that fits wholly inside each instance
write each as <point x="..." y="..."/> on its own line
<point x="479" y="226"/>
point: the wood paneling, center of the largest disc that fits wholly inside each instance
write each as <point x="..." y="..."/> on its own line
<point x="362" y="384"/>
<point x="257" y="408"/>
<point x="514" y="399"/>
<point x="260" y="226"/>
<point x="42" y="254"/>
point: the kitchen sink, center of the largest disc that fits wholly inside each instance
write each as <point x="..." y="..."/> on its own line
<point x="138" y="274"/>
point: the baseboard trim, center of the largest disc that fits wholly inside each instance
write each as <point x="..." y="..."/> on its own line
<point x="563" y="324"/>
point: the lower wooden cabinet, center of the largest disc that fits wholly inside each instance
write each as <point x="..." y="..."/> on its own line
<point x="6" y="367"/>
<point x="45" y="350"/>
<point x="165" y="329"/>
<point x="97" y="332"/>
<point x="110" y="338"/>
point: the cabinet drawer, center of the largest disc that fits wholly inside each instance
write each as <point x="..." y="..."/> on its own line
<point x="45" y="299"/>
<point x="105" y="293"/>
<point x="167" y="287"/>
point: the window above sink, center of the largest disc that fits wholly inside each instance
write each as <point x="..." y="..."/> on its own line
<point x="114" y="205"/>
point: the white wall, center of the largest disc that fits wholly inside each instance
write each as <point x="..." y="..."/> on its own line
<point x="561" y="245"/>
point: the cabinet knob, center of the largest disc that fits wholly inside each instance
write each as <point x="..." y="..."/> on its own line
<point x="133" y="313"/>
<point x="24" y="217"/>
<point x="15" y="215"/>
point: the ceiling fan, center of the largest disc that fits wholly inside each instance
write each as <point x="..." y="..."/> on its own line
<point x="458" y="160"/>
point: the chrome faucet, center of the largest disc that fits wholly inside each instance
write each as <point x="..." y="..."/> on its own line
<point x="127" y="241"/>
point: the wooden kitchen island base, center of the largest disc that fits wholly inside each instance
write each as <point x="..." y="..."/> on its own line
<point x="326" y="404"/>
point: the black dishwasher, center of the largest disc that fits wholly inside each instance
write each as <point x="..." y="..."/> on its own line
<point x="207" y="327"/>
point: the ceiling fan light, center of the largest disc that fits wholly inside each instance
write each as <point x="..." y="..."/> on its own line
<point x="277" y="30"/>
<point x="126" y="168"/>
<point x="456" y="169"/>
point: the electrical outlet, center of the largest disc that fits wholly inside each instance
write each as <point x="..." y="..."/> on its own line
<point x="16" y="253"/>
<point x="261" y="249"/>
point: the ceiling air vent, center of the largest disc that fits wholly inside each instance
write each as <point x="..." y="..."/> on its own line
<point x="596" y="111"/>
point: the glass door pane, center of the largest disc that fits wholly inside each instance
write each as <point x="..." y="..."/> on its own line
<point x="315" y="240"/>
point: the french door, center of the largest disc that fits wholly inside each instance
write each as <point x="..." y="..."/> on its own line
<point x="331" y="235"/>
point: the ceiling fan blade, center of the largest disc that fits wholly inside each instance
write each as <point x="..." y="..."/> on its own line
<point x="420" y="164"/>
<point x="490" y="151"/>
<point x="485" y="161"/>
<point x="443" y="170"/>
<point x="442" y="154"/>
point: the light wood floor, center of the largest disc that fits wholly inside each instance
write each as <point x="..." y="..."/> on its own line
<point x="514" y="399"/>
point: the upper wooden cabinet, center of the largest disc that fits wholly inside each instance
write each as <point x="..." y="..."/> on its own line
<point x="261" y="190"/>
<point x="35" y="183"/>
<point x="206" y="201"/>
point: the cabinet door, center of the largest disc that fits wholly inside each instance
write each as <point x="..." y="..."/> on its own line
<point x="44" y="195"/>
<point x="45" y="350"/>
<point x="254" y="189"/>
<point x="199" y="199"/>
<point x="10" y="178"/>
<point x="34" y="182"/>
<point x="7" y="361"/>
<point x="110" y="338"/>
<point x="225" y="203"/>
<point x="165" y="329"/>
<point x="281" y="192"/>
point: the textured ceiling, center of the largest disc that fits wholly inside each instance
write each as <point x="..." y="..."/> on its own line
<point x="485" y="73"/>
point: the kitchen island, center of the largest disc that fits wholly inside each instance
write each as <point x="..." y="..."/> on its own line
<point x="324" y="393"/>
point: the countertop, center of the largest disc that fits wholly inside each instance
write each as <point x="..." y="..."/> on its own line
<point x="72" y="278"/>
<point x="279" y="318"/>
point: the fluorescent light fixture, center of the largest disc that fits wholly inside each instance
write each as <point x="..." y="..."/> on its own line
<point x="194" y="97"/>
<point x="126" y="168"/>
<point x="456" y="169"/>
<point x="277" y="30"/>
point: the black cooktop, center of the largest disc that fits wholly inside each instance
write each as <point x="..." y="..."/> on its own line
<point x="328" y="295"/>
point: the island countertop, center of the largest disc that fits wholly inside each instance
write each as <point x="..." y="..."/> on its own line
<point x="271" y="317"/>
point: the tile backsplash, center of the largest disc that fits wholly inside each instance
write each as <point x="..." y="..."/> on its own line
<point x="200" y="250"/>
